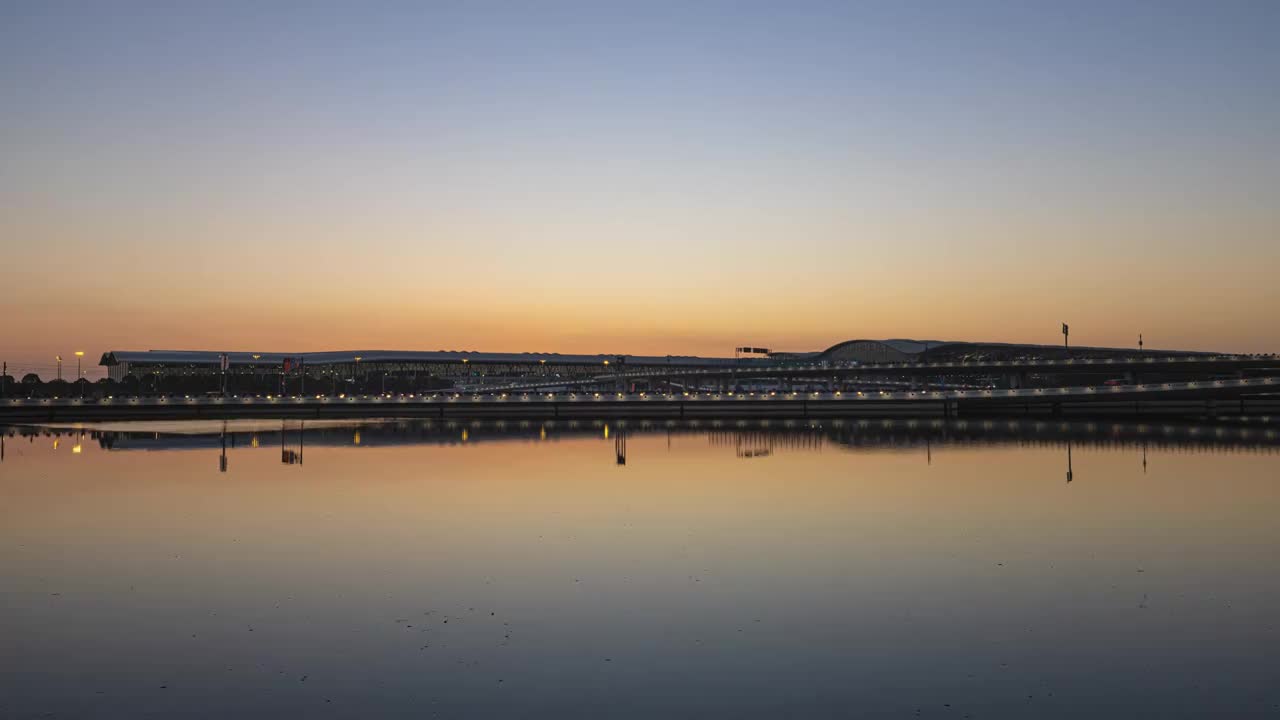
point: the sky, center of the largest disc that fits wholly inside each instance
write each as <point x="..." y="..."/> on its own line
<point x="640" y="177"/>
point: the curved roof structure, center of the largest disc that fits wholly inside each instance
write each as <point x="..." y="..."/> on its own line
<point x="867" y="350"/>
<point x="904" y="350"/>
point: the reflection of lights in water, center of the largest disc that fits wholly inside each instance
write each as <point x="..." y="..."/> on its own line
<point x="253" y="441"/>
<point x="355" y="439"/>
<point x="75" y="449"/>
<point x="464" y="435"/>
<point x="542" y="432"/>
<point x="606" y="432"/>
<point x="55" y="443"/>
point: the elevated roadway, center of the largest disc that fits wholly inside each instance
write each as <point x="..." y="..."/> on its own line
<point x="1236" y="396"/>
<point x="1194" y="365"/>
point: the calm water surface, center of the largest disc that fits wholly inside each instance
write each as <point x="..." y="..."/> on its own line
<point x="859" y="569"/>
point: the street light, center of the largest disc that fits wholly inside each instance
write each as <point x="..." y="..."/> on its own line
<point x="59" y="359"/>
<point x="79" y="354"/>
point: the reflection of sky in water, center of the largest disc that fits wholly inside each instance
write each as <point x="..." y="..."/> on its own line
<point x="863" y="569"/>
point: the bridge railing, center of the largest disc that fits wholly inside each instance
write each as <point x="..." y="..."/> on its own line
<point x="1267" y="384"/>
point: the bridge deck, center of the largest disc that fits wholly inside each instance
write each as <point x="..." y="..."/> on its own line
<point x="1197" y="397"/>
<point x="1208" y="365"/>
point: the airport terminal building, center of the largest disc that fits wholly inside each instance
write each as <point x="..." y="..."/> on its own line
<point x="472" y="367"/>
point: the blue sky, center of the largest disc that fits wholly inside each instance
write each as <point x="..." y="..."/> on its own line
<point x="980" y="150"/>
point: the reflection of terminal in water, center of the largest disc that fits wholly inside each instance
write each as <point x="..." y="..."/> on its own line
<point x="222" y="459"/>
<point x="749" y="444"/>
<point x="747" y="438"/>
<point x="289" y="456"/>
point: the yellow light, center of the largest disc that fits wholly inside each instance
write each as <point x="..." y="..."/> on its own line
<point x="75" y="449"/>
<point x="606" y="362"/>
<point x="79" y="353"/>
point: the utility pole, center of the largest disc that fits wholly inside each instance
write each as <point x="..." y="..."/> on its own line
<point x="1139" y="343"/>
<point x="79" y="375"/>
<point x="1066" y="331"/>
<point x="59" y="359"/>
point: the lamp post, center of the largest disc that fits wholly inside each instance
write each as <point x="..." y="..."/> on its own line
<point x="79" y="354"/>
<point x="59" y="359"/>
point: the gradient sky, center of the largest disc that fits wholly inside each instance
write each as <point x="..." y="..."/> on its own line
<point x="668" y="177"/>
